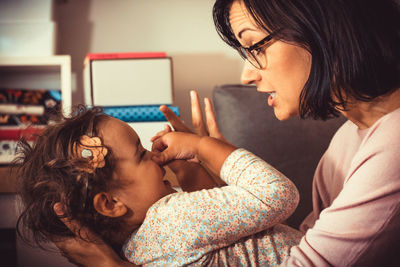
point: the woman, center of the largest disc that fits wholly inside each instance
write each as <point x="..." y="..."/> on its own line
<point x="321" y="59"/>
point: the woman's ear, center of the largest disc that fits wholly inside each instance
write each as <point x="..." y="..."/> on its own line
<point x="107" y="205"/>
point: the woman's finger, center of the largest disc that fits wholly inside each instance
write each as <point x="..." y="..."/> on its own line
<point x="77" y="229"/>
<point x="70" y="224"/>
<point x="197" y="115"/>
<point x="211" y="120"/>
<point x="174" y="120"/>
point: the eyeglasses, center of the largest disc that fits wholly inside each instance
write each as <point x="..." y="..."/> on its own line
<point x="255" y="54"/>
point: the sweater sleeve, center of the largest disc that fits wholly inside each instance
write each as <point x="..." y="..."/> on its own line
<point x="181" y="228"/>
<point x="361" y="226"/>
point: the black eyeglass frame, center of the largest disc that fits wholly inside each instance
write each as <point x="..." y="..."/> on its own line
<point x="246" y="52"/>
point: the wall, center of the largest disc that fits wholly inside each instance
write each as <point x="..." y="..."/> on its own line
<point x="182" y="28"/>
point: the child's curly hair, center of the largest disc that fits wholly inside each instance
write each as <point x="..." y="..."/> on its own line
<point x="50" y="172"/>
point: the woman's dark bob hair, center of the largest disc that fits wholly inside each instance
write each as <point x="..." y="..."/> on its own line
<point x="355" y="46"/>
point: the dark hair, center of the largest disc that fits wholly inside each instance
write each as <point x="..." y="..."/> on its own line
<point x="355" y="46"/>
<point x="49" y="172"/>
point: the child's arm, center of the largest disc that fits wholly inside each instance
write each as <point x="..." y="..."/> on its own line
<point x="190" y="225"/>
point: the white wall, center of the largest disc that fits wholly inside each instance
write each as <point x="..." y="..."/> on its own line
<point x="182" y="28"/>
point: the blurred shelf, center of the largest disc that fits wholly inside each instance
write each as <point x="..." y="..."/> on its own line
<point x="50" y="72"/>
<point x="7" y="180"/>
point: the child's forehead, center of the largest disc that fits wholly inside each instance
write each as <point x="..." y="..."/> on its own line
<point x="113" y="129"/>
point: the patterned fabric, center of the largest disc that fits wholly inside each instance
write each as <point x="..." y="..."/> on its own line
<point x="235" y="225"/>
<point x="139" y="113"/>
<point x="24" y="107"/>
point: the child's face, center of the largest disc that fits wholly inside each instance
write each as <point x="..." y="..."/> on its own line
<point x="141" y="178"/>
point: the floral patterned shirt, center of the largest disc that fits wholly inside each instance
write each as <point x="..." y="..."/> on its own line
<point x="234" y="225"/>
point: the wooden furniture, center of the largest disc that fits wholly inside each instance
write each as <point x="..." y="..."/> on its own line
<point x="49" y="73"/>
<point x="7" y="180"/>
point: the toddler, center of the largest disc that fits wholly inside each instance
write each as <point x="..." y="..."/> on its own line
<point x="96" y="168"/>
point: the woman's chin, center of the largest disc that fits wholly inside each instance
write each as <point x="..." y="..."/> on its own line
<point x="281" y="116"/>
<point x="284" y="115"/>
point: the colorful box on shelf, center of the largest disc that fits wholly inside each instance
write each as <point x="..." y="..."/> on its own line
<point x="16" y="132"/>
<point x="10" y="136"/>
<point x="127" y="79"/>
<point x="8" y="151"/>
<point x="145" y="113"/>
<point x="28" y="106"/>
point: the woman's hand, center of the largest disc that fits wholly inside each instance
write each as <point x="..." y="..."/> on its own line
<point x="198" y="123"/>
<point x="84" y="253"/>
<point x="192" y="176"/>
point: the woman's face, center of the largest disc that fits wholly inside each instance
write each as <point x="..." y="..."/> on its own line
<point x="287" y="69"/>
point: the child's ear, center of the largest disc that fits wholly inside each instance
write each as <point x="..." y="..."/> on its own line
<point x="105" y="204"/>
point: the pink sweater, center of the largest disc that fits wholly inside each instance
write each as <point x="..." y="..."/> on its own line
<point x="356" y="200"/>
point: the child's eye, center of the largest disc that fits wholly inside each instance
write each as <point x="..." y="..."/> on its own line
<point x="142" y="154"/>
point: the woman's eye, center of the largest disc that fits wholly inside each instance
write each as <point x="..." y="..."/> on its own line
<point x="258" y="51"/>
<point x="142" y="154"/>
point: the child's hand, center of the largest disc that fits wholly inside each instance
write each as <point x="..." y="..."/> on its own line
<point x="176" y="145"/>
<point x="190" y="175"/>
<point x="167" y="129"/>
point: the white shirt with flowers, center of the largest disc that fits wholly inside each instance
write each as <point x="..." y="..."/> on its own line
<point x="234" y="225"/>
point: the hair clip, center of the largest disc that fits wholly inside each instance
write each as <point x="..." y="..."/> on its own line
<point x="86" y="153"/>
<point x="91" y="148"/>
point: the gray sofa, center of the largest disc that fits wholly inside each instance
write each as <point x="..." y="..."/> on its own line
<point x="294" y="146"/>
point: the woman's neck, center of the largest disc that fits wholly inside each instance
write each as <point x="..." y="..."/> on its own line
<point x="365" y="114"/>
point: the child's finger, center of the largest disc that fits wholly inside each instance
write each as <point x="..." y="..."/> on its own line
<point x="175" y="121"/>
<point x="167" y="129"/>
<point x="162" y="158"/>
<point x="158" y="145"/>
<point x="169" y="154"/>
<point x="197" y="115"/>
<point x="163" y="155"/>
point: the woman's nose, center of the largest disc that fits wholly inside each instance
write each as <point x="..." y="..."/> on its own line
<point x="250" y="75"/>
